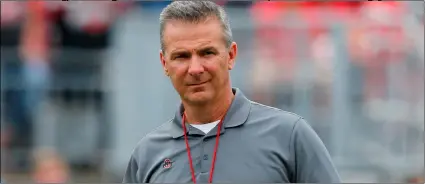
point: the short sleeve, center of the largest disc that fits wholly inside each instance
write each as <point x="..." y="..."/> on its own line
<point x="130" y="175"/>
<point x="312" y="162"/>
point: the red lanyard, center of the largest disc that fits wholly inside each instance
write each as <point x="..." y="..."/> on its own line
<point x="217" y="138"/>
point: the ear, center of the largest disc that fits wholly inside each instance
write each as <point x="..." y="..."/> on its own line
<point x="233" y="52"/>
<point x="163" y="63"/>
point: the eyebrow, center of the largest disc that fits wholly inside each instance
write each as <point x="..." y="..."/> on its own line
<point x="179" y="52"/>
<point x="207" y="48"/>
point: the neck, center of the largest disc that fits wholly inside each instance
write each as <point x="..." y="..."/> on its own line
<point x="209" y="112"/>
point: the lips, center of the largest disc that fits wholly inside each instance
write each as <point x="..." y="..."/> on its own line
<point x="197" y="84"/>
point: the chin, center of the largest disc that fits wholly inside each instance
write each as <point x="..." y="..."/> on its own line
<point x="199" y="98"/>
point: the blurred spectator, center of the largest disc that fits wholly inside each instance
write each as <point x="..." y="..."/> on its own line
<point x="35" y="50"/>
<point x="5" y="135"/>
<point x="86" y="24"/>
<point x="83" y="32"/>
<point x="49" y="167"/>
<point x="416" y="179"/>
<point x="12" y="15"/>
<point x="25" y="53"/>
<point x="323" y="53"/>
<point x="274" y="56"/>
<point x="377" y="39"/>
<point x="278" y="43"/>
<point x="30" y="30"/>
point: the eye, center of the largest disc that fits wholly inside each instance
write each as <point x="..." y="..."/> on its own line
<point x="208" y="53"/>
<point x="181" y="56"/>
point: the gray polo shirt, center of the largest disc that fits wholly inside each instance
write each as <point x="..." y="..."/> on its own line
<point x="258" y="144"/>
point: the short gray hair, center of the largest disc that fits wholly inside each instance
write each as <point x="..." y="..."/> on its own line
<point x="195" y="11"/>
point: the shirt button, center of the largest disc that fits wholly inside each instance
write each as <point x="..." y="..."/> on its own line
<point x="205" y="157"/>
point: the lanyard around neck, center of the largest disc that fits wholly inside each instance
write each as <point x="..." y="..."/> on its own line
<point x="217" y="138"/>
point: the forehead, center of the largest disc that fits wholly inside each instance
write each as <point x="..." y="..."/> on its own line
<point x="190" y="35"/>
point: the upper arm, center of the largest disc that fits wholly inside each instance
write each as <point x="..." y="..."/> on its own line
<point x="312" y="162"/>
<point x="130" y="175"/>
<point x="139" y="166"/>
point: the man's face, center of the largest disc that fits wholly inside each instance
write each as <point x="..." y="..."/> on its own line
<point x="197" y="60"/>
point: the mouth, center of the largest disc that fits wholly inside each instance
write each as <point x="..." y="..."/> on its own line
<point x="198" y="84"/>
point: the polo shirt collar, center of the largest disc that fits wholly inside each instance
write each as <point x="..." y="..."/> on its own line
<point x="236" y="115"/>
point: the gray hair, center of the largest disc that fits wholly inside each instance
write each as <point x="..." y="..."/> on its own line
<point x="195" y="11"/>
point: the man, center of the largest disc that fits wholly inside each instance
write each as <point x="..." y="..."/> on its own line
<point x="217" y="134"/>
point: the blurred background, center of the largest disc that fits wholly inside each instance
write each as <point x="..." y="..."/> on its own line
<point x="81" y="82"/>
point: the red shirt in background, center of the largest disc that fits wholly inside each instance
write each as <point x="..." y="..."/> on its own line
<point x="35" y="40"/>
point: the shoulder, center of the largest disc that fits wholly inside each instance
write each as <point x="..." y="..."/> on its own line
<point x="152" y="142"/>
<point x="273" y="116"/>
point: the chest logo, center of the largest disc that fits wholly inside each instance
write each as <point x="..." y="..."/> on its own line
<point x="167" y="164"/>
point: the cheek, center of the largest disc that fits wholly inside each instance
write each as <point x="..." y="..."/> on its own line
<point x="177" y="79"/>
<point x="219" y="73"/>
<point x="223" y="66"/>
<point x="218" y="64"/>
<point x="176" y="71"/>
<point x="177" y="76"/>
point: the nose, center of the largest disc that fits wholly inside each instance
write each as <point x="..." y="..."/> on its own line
<point x="195" y="67"/>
